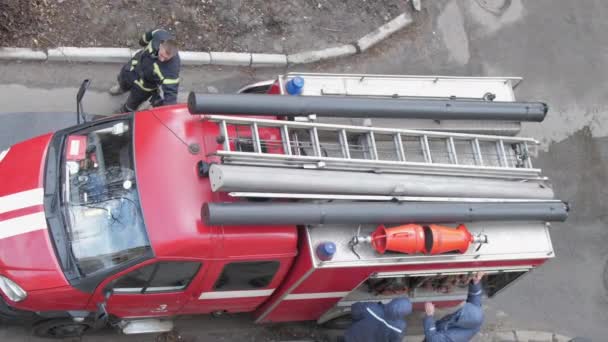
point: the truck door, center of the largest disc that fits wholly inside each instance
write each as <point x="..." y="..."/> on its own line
<point x="155" y="289"/>
<point x="237" y="286"/>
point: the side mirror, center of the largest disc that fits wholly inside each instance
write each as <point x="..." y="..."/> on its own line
<point x="79" y="111"/>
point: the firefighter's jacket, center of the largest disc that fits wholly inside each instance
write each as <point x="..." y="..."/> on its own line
<point x="459" y="326"/>
<point x="150" y="74"/>
<point x="376" y="322"/>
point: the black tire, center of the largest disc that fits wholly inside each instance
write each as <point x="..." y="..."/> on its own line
<point x="330" y="335"/>
<point x="339" y="323"/>
<point x="61" y="328"/>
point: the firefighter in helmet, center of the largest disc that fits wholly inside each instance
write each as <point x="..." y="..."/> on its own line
<point x="152" y="73"/>
<point x="459" y="326"/>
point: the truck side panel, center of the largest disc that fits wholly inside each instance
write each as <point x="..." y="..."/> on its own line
<point x="311" y="290"/>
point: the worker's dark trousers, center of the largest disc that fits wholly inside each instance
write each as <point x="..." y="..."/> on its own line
<point x="137" y="96"/>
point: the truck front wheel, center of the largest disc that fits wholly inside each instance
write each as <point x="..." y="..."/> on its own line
<point x="60" y="328"/>
<point x="340" y="322"/>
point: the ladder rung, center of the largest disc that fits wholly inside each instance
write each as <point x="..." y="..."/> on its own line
<point x="399" y="147"/>
<point x="502" y="153"/>
<point x="224" y="132"/>
<point x="286" y="140"/>
<point x="316" y="144"/>
<point x="426" y="149"/>
<point x="371" y="143"/>
<point x="255" y="135"/>
<point x="296" y="144"/>
<point x="452" y="150"/>
<point x="477" y="152"/>
<point x="344" y="144"/>
<point x="528" y="161"/>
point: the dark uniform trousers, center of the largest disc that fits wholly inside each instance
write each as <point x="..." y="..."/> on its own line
<point x="137" y="96"/>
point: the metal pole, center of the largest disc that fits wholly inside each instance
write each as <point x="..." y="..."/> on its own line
<point x="339" y="106"/>
<point x="273" y="213"/>
<point x="229" y="178"/>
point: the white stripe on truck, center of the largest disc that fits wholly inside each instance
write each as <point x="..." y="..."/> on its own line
<point x="315" y="295"/>
<point x="236" y="294"/>
<point x="22" y="224"/>
<point x="4" y="153"/>
<point x="21" y="200"/>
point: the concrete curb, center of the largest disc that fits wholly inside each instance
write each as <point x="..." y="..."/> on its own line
<point x="383" y="32"/>
<point x="319" y="55"/>
<point x="230" y="58"/>
<point x="246" y="59"/>
<point x="195" y="58"/>
<point x="22" y="54"/>
<point x="268" y="60"/>
<point x="98" y="55"/>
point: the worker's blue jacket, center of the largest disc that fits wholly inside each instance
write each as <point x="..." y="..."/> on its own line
<point x="459" y="326"/>
<point x="376" y="322"/>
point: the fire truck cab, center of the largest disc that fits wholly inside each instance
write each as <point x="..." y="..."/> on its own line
<point x="134" y="219"/>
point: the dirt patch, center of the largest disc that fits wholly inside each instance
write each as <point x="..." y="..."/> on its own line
<point x="281" y="26"/>
<point x="22" y="21"/>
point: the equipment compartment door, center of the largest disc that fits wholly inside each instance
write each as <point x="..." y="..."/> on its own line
<point x="422" y="286"/>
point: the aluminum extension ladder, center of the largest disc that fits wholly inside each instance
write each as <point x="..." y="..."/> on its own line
<point x="263" y="142"/>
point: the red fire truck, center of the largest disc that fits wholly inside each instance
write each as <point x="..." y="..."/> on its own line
<point x="285" y="200"/>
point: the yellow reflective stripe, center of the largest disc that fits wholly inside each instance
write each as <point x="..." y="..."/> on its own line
<point x="171" y="81"/>
<point x="162" y="77"/>
<point x="133" y="64"/>
<point x="140" y="84"/>
<point x="149" y="47"/>
<point x="157" y="72"/>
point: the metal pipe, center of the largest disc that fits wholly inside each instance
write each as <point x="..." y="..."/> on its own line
<point x="272" y="213"/>
<point x="229" y="178"/>
<point x="338" y="106"/>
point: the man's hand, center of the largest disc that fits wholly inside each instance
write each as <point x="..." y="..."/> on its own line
<point x="429" y="308"/>
<point x="477" y="277"/>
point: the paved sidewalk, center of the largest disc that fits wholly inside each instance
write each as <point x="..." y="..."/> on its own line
<point x="484" y="336"/>
<point x="521" y="336"/>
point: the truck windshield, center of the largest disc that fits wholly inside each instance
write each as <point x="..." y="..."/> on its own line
<point x="100" y="198"/>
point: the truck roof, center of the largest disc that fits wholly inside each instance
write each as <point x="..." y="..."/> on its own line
<point x="168" y="143"/>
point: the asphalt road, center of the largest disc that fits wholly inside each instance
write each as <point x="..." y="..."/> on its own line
<point x="560" y="47"/>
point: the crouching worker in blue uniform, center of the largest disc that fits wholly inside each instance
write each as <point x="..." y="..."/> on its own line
<point x="377" y="322"/>
<point x="461" y="325"/>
